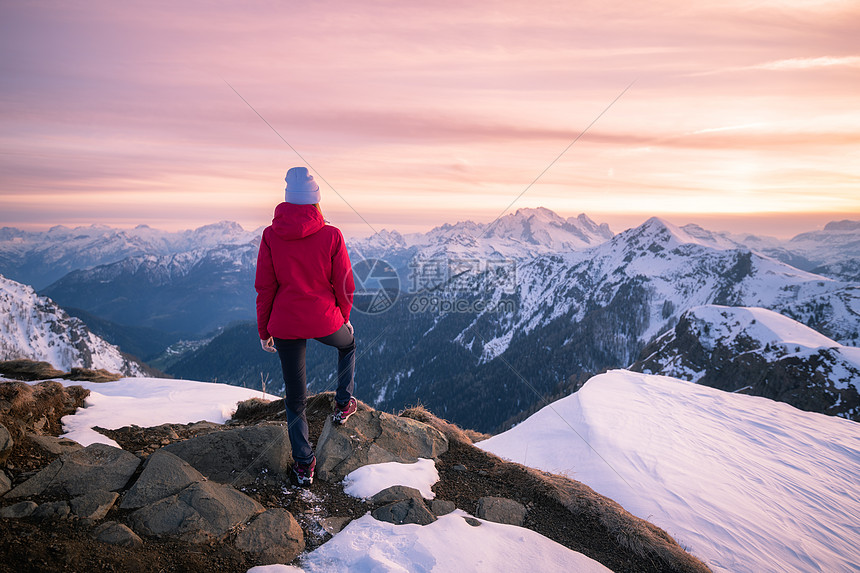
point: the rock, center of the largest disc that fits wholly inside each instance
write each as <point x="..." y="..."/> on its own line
<point x="472" y="521"/>
<point x="237" y="456"/>
<point x="94" y="505"/>
<point x="6" y="444"/>
<point x="202" y="512"/>
<point x="405" y="511"/>
<point x="334" y="525"/>
<point x="273" y="536"/>
<point x="5" y="483"/>
<point x="459" y="468"/>
<point x="21" y="509"/>
<point x="395" y="493"/>
<point x="164" y="475"/>
<point x="441" y="507"/>
<point x="55" y="445"/>
<point x="51" y="510"/>
<point x="501" y="510"/>
<point x="371" y="437"/>
<point x="116" y="534"/>
<point x="96" y="467"/>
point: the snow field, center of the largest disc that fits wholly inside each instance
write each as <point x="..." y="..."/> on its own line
<point x="744" y="483"/>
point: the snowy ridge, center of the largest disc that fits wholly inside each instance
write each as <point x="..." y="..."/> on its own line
<point x="764" y="326"/>
<point x="39" y="258"/>
<point x="34" y="327"/>
<point x="759" y="352"/>
<point x="519" y="235"/>
<point x="674" y="271"/>
<point x="744" y="483"/>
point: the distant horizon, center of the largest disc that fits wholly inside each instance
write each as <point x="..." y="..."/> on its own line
<point x="739" y="116"/>
<point x="775" y="225"/>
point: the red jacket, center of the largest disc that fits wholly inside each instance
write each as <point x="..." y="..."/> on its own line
<point x="304" y="278"/>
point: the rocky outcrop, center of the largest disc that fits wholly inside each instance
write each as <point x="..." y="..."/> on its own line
<point x="372" y="437"/>
<point x="238" y="456"/>
<point x="163" y="475"/>
<point x="406" y="511"/>
<point x="96" y="467"/>
<point x="116" y="534"/>
<point x="501" y="510"/>
<point x="274" y="536"/>
<point x="19" y="510"/>
<point x="6" y="444"/>
<point x="202" y="512"/>
<point x="55" y="445"/>
<point x="94" y="505"/>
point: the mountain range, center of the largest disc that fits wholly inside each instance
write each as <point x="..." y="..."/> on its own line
<point x="489" y="320"/>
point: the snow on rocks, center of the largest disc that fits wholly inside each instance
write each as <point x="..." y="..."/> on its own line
<point x="367" y="481"/>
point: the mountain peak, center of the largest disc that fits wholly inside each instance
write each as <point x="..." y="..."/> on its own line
<point x="844" y="225"/>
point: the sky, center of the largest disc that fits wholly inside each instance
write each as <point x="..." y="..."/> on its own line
<point x="736" y="115"/>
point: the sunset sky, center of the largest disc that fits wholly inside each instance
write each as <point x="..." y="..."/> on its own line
<point x="742" y="116"/>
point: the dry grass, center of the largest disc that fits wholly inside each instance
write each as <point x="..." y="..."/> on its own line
<point x="29" y="370"/>
<point x="451" y="431"/>
<point x="99" y="375"/>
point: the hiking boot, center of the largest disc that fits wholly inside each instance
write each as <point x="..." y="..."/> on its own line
<point x="342" y="412"/>
<point x="303" y="474"/>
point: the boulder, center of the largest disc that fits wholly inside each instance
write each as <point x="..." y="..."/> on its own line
<point x="116" y="534"/>
<point x="372" y="437"/>
<point x="51" y="510"/>
<point x="334" y="525"/>
<point x="55" y="445"/>
<point x="6" y="444"/>
<point x="441" y="507"/>
<point x="501" y="510"/>
<point x="5" y="483"/>
<point x="237" y="456"/>
<point x="21" y="509"/>
<point x="405" y="511"/>
<point x="202" y="512"/>
<point x="164" y="475"/>
<point x="96" y="467"/>
<point x="94" y="505"/>
<point x="273" y="537"/>
<point x="395" y="493"/>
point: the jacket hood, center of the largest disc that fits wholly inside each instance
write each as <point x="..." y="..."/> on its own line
<point x="296" y="221"/>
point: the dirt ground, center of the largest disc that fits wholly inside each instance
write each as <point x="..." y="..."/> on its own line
<point x="466" y="473"/>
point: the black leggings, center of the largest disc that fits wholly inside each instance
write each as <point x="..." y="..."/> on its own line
<point x="292" y="355"/>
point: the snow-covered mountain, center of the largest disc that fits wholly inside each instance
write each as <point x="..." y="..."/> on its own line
<point x="40" y="258"/>
<point x="833" y="251"/>
<point x="192" y="292"/>
<point x="516" y="236"/>
<point x="759" y="352"/>
<point x="656" y="272"/>
<point x="553" y="319"/>
<point x="34" y="327"/>
<point x="746" y="484"/>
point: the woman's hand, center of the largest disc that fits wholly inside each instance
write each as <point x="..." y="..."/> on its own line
<point x="349" y="327"/>
<point x="268" y="344"/>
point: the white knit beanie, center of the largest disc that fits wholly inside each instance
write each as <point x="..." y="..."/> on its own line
<point x="301" y="188"/>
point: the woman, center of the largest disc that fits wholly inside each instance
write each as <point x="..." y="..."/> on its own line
<point x="304" y="290"/>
